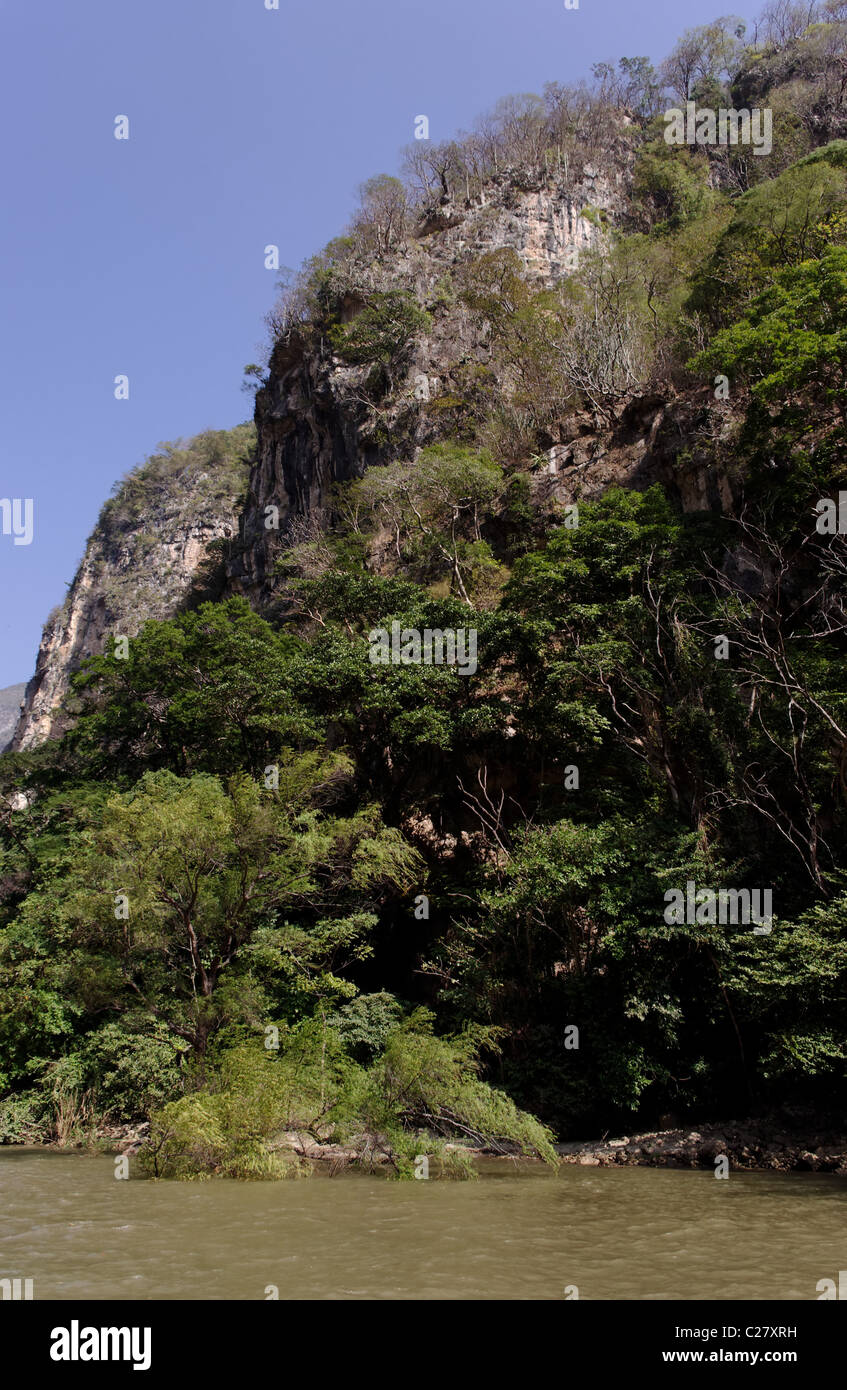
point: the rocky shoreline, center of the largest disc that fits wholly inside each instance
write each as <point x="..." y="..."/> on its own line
<point x="747" y="1145"/>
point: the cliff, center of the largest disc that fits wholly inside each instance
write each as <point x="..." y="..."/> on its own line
<point x="146" y="555"/>
<point x="546" y="186"/>
<point x="319" y="422"/>
<point x="10" y="708"/>
<point x="656" y="714"/>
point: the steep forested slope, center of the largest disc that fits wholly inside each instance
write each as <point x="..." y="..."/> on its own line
<point x="566" y="408"/>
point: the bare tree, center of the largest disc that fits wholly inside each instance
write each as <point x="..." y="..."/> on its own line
<point x="784" y="21"/>
<point x="600" y="348"/>
<point x="708" y="53"/>
<point x="435" y="171"/>
<point x="380" y="221"/>
<point x="769" y="638"/>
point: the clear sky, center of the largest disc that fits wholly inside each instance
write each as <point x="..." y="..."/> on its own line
<point x="145" y="256"/>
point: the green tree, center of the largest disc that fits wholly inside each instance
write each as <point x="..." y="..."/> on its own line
<point x="381" y="330"/>
<point x="210" y="690"/>
<point x="182" y="875"/>
<point x="791" y="992"/>
<point x="779" y="223"/>
<point x="380" y="221"/>
<point x="421" y="1091"/>
<point x="704" y="57"/>
<point x="438" y="503"/>
<point x="794" y="336"/>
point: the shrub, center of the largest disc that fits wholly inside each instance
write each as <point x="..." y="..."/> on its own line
<point x="421" y="1092"/>
<point x="381" y="330"/>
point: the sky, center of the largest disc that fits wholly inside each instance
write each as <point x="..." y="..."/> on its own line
<point x="144" y="257"/>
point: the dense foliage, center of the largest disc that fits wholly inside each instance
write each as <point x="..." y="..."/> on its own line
<point x="265" y="885"/>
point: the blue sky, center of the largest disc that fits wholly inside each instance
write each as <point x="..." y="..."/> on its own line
<point x="145" y="257"/>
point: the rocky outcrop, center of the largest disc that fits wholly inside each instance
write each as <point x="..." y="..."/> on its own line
<point x="316" y="425"/>
<point x="141" y="562"/>
<point x="319" y="422"/>
<point x="749" y="1146"/>
<point x="10" y="709"/>
<point x="675" y="441"/>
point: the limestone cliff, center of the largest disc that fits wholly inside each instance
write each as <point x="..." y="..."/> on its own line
<point x="10" y="708"/>
<point x="144" y="557"/>
<point x="318" y="421"/>
<point x="317" y="424"/>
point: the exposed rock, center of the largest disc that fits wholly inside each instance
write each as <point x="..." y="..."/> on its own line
<point x="748" y="1145"/>
<point x="139" y="563"/>
<point x="10" y="709"/>
<point x="315" y="424"/>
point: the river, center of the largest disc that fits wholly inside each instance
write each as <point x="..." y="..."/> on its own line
<point x="519" y="1232"/>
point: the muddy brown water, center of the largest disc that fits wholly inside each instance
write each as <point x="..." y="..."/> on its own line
<point x="519" y="1232"/>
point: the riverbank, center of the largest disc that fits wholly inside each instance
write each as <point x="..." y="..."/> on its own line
<point x="748" y="1145"/>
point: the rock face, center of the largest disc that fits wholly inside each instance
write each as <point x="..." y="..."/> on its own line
<point x="142" y="561"/>
<point x="318" y="423"/>
<point x="10" y="708"/>
<point x="315" y="425"/>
